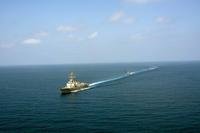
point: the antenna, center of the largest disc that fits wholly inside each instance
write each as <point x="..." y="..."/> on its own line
<point x="72" y="76"/>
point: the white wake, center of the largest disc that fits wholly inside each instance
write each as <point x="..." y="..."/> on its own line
<point x="92" y="85"/>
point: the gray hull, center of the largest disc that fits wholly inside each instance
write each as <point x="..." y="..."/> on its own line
<point x="65" y="90"/>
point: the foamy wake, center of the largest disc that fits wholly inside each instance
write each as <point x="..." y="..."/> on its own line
<point x="92" y="85"/>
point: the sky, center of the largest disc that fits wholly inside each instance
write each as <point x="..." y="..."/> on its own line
<point x="98" y="31"/>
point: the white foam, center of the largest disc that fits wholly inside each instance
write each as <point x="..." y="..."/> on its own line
<point x="92" y="85"/>
<point x="123" y="76"/>
<point x="81" y="89"/>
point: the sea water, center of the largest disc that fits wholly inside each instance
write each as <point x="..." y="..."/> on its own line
<point x="156" y="97"/>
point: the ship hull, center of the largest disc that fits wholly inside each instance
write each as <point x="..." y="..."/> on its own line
<point x="65" y="90"/>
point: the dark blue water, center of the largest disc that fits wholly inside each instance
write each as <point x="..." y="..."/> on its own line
<point x="166" y="99"/>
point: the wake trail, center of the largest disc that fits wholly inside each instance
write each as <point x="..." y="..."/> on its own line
<point x="95" y="84"/>
<point x="123" y="76"/>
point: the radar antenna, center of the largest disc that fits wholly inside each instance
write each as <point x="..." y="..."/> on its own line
<point x="72" y="76"/>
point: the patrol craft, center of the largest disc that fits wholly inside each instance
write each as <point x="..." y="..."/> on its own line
<point x="73" y="85"/>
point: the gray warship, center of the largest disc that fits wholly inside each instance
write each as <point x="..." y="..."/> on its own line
<point x="73" y="85"/>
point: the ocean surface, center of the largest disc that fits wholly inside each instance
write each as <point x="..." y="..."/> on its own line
<point x="156" y="98"/>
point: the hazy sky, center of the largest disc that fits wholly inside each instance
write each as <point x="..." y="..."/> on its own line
<point x="91" y="31"/>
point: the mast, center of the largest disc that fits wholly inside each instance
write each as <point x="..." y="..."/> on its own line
<point x="72" y="76"/>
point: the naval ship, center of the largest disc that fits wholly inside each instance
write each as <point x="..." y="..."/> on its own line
<point x="73" y="85"/>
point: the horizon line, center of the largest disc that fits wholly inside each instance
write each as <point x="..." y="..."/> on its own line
<point x="90" y="63"/>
